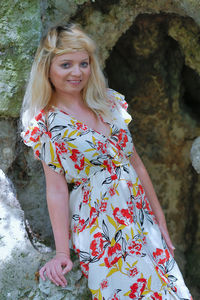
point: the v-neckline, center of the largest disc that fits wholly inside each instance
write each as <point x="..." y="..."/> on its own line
<point x="55" y="108"/>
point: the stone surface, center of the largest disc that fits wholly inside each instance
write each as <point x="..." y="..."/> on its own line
<point x="23" y="23"/>
<point x="20" y="259"/>
<point x="150" y="53"/>
<point x="7" y="143"/>
<point x="20" y="29"/>
<point x="195" y="154"/>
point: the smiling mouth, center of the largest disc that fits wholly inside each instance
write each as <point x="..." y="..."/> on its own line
<point x="74" y="81"/>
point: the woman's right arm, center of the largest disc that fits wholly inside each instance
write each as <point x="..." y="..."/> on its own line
<point x="57" y="200"/>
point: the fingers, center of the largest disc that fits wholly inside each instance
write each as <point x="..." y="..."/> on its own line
<point x="168" y="241"/>
<point x="61" y="276"/>
<point x="58" y="277"/>
<point x="54" y="271"/>
<point x="55" y="276"/>
<point x="50" y="276"/>
<point x="67" y="268"/>
<point x="41" y="272"/>
<point x="171" y="249"/>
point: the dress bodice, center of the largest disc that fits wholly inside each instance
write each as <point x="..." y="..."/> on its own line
<point x="70" y="147"/>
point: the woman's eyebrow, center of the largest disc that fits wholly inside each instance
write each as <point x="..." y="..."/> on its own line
<point x="62" y="60"/>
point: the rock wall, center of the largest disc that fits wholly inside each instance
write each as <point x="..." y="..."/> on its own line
<point x="150" y="52"/>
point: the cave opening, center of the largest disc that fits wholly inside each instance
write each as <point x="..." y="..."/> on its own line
<point x="145" y="56"/>
<point x="191" y="94"/>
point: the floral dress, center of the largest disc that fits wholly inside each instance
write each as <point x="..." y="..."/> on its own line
<point x="113" y="229"/>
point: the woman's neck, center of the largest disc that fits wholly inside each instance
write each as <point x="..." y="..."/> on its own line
<point x="69" y="101"/>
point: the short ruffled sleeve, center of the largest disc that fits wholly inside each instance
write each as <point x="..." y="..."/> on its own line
<point x="38" y="137"/>
<point x="119" y="105"/>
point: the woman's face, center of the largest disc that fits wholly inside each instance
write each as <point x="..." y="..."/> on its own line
<point x="69" y="72"/>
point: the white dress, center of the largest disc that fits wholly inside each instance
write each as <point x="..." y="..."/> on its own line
<point x="113" y="228"/>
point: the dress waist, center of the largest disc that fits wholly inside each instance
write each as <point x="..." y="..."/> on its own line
<point x="111" y="170"/>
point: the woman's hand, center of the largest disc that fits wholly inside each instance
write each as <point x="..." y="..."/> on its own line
<point x="55" y="271"/>
<point x="165" y="234"/>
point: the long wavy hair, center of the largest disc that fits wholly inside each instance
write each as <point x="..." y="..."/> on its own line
<point x="57" y="41"/>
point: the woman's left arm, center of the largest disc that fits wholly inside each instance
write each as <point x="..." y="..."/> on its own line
<point x="141" y="171"/>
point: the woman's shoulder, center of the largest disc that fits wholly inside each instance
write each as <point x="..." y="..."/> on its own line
<point x="116" y="98"/>
<point x="119" y="106"/>
<point x="37" y="127"/>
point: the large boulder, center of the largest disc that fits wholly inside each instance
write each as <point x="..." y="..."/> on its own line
<point x="22" y="255"/>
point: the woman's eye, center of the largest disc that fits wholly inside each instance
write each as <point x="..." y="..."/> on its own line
<point x="65" y="65"/>
<point x="84" y="64"/>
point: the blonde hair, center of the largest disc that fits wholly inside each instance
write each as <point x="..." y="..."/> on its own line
<point x="60" y="40"/>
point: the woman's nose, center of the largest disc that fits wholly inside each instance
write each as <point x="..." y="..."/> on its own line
<point x="76" y="70"/>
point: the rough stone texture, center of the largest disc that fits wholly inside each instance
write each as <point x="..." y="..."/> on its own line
<point x="195" y="154"/>
<point x="7" y="143"/>
<point x="21" y="259"/>
<point x="105" y="20"/>
<point x="20" y="29"/>
<point x="154" y="46"/>
<point x="26" y="172"/>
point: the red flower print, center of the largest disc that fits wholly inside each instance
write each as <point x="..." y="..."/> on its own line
<point x="75" y="228"/>
<point x="111" y="168"/>
<point x="104" y="284"/>
<point x="139" y="204"/>
<point x="174" y="288"/>
<point x="84" y="268"/>
<point x="140" y="190"/>
<point x="138" y="288"/>
<point x="162" y="275"/>
<point x="134" y="289"/>
<point x="114" y="295"/>
<point x="122" y="138"/>
<point x="122" y="216"/>
<point x="130" y="186"/>
<point x="112" y="191"/>
<point x="114" y="254"/>
<point x="97" y="245"/>
<point x="144" y="239"/>
<point x="86" y="194"/>
<point x="35" y="134"/>
<point x="78" y="158"/>
<point x="102" y="147"/>
<point x="131" y="207"/>
<point x="161" y="256"/>
<point x="81" y="225"/>
<point x="37" y="153"/>
<point x="134" y="248"/>
<point x="93" y="215"/>
<point x="113" y="177"/>
<point x="124" y="104"/>
<point x="60" y="148"/>
<point x="156" y="296"/>
<point x="40" y="115"/>
<point x="80" y="125"/>
<point x="132" y="272"/>
<point x="147" y="206"/>
<point x="139" y="197"/>
<point x="103" y="206"/>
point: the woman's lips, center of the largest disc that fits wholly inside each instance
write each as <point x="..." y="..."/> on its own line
<point x="74" y="82"/>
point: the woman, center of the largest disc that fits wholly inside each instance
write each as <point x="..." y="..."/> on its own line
<point x="78" y="129"/>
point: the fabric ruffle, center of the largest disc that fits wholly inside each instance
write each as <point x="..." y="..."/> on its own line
<point x="38" y="137"/>
<point x="119" y="105"/>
